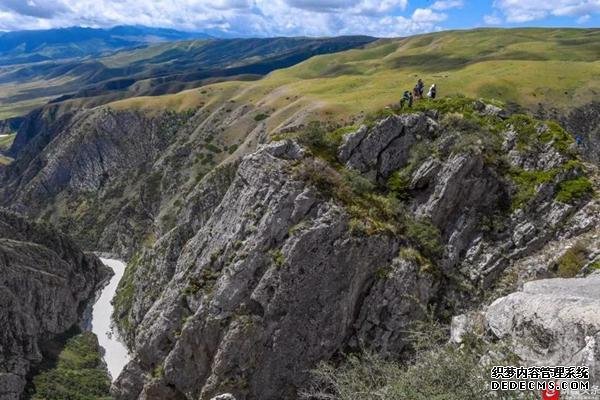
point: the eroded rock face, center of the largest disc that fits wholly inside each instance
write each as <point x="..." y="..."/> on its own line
<point x="46" y="284"/>
<point x="76" y="154"/>
<point x="226" y="396"/>
<point x="585" y="123"/>
<point x="552" y="322"/>
<point x="385" y="148"/>
<point x="272" y="283"/>
<point x="393" y="302"/>
<point x="263" y="276"/>
<point x="457" y="188"/>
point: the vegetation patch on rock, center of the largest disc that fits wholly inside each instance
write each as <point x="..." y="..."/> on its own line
<point x="79" y="373"/>
<point x="574" y="189"/>
<point x="437" y="370"/>
<point x="570" y="264"/>
<point x="123" y="300"/>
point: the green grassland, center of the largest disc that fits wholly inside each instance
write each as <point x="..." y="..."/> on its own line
<point x="128" y="57"/>
<point x="78" y="374"/>
<point x="15" y="99"/>
<point x="156" y="69"/>
<point x="556" y="67"/>
<point x="528" y="66"/>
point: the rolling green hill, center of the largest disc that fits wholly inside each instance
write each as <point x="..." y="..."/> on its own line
<point x="157" y="69"/>
<point x="558" y="69"/>
<point x="555" y="67"/>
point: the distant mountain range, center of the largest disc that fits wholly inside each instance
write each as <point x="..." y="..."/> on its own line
<point x="21" y="47"/>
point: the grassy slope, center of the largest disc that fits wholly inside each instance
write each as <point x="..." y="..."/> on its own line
<point x="157" y="69"/>
<point x="78" y="374"/>
<point x="557" y="67"/>
<point x="10" y="108"/>
<point x="128" y="57"/>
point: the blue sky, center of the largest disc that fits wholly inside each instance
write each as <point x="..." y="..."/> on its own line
<point x="383" y="18"/>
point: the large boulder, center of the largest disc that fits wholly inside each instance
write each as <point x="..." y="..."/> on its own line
<point x="552" y="322"/>
<point x="384" y="148"/>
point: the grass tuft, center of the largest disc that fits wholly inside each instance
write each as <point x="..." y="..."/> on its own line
<point x="571" y="263"/>
<point x="572" y="190"/>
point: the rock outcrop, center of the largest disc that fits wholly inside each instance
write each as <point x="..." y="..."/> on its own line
<point x="265" y="272"/>
<point x="585" y="122"/>
<point x="271" y="283"/>
<point x="552" y="322"/>
<point x="46" y="284"/>
<point x="455" y="180"/>
<point x="379" y="151"/>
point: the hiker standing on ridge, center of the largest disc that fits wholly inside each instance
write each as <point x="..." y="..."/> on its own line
<point x="420" y="88"/>
<point x="432" y="92"/>
<point x="406" y="98"/>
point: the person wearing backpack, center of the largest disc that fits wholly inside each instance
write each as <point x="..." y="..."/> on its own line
<point x="420" y="88"/>
<point x="415" y="92"/>
<point x="406" y="99"/>
<point x="432" y="92"/>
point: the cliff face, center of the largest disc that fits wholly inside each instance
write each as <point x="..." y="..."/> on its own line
<point x="585" y="122"/>
<point x="112" y="178"/>
<point x="284" y="259"/>
<point x="271" y="282"/>
<point x="46" y="285"/>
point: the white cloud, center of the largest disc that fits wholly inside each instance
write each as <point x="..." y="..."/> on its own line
<point x="238" y="17"/>
<point x="321" y="5"/>
<point x="583" y="19"/>
<point x="492" y="20"/>
<point x="520" y="11"/>
<point x="447" y="4"/>
<point x="34" y="8"/>
<point x="427" y="15"/>
<point x="362" y="7"/>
